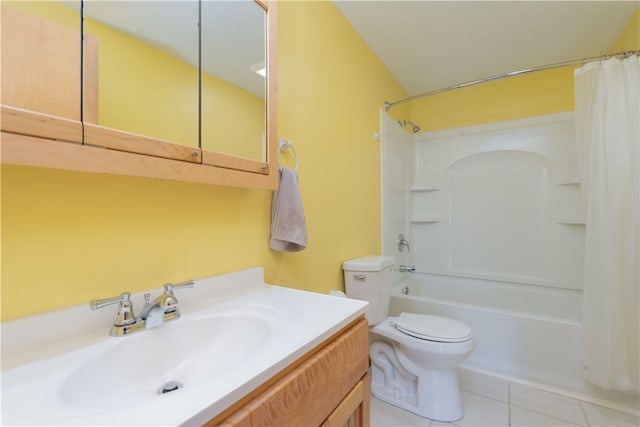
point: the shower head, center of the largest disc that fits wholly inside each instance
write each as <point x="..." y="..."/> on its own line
<point x="414" y="127"/>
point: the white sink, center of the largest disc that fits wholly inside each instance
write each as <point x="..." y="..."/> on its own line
<point x="234" y="334"/>
<point x="187" y="351"/>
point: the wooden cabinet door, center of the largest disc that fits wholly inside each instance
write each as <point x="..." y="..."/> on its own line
<point x="330" y="386"/>
<point x="41" y="71"/>
<point x="354" y="410"/>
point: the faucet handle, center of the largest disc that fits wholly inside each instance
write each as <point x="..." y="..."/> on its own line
<point x="169" y="287"/>
<point x="125" y="314"/>
<point x="168" y="300"/>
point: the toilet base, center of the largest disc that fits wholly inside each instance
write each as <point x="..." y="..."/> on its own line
<point x="432" y="394"/>
<point x="443" y="405"/>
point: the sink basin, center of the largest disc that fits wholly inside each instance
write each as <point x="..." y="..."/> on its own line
<point x="126" y="372"/>
<point x="190" y="352"/>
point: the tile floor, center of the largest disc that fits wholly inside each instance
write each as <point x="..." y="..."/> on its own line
<point x="492" y="402"/>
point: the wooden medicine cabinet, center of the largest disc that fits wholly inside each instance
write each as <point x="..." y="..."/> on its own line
<point x="122" y="99"/>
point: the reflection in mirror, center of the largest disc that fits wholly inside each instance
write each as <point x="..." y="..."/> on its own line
<point x="41" y="44"/>
<point x="147" y="67"/>
<point x="233" y="78"/>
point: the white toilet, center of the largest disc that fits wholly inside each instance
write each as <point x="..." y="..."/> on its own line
<point x="413" y="356"/>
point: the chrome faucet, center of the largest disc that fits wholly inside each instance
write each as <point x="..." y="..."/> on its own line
<point x="165" y="303"/>
<point x="152" y="314"/>
<point x="407" y="268"/>
<point x="162" y="309"/>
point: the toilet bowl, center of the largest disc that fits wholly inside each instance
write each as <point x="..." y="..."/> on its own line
<point x="413" y="356"/>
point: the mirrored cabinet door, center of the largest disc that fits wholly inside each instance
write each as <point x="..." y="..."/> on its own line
<point x="146" y="73"/>
<point x="233" y="87"/>
<point x="41" y="51"/>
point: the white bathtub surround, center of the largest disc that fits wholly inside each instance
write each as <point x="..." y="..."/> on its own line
<point x="497" y="222"/>
<point x="541" y="349"/>
<point x="243" y="330"/>
<point x="607" y="127"/>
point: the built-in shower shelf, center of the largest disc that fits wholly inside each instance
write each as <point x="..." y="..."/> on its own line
<point x="569" y="180"/>
<point x="572" y="221"/>
<point x="423" y="188"/>
<point x="426" y="220"/>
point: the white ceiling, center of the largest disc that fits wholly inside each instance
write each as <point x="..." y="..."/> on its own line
<point x="429" y="45"/>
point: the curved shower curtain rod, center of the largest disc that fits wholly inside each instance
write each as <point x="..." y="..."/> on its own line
<point x="388" y="105"/>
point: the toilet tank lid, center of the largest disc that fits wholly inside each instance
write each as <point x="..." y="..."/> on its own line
<point x="369" y="263"/>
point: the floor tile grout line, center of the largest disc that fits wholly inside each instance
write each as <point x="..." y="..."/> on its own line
<point x="486" y="397"/>
<point x="548" y="415"/>
<point x="509" y="403"/>
<point x="584" y="414"/>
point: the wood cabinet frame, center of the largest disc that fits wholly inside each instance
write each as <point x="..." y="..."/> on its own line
<point x="37" y="139"/>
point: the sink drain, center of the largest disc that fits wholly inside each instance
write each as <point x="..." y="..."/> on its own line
<point x="169" y="386"/>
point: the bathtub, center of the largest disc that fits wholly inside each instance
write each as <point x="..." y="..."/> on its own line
<point x="543" y="348"/>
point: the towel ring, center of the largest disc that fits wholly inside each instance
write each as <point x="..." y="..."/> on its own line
<point x="283" y="144"/>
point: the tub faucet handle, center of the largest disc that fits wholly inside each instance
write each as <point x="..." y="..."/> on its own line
<point x="403" y="243"/>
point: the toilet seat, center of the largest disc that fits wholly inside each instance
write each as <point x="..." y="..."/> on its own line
<point x="432" y="328"/>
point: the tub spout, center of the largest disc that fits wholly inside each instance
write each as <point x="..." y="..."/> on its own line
<point x="407" y="268"/>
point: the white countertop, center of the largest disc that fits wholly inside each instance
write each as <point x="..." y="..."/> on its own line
<point x="42" y="369"/>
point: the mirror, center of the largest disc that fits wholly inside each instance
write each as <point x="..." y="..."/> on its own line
<point x="234" y="78"/>
<point x="147" y="67"/>
<point x="146" y="72"/>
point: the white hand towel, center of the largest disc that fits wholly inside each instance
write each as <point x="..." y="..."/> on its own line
<point x="288" y="226"/>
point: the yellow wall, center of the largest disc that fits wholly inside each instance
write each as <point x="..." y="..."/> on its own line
<point x="539" y="93"/>
<point x="544" y="92"/>
<point x="68" y="237"/>
<point x="630" y="37"/>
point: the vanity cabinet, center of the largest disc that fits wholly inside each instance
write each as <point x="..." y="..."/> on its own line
<point x="327" y="387"/>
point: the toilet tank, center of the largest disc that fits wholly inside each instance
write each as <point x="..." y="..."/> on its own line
<point x="369" y="279"/>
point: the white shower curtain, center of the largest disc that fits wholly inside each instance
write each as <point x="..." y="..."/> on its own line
<point x="607" y="97"/>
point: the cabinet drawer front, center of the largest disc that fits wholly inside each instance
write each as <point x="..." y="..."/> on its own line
<point x="353" y="411"/>
<point x="311" y="391"/>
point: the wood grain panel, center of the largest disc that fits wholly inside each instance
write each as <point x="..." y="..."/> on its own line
<point x="30" y="151"/>
<point x="25" y="122"/>
<point x="232" y="162"/>
<point x="272" y="90"/>
<point x="90" y="79"/>
<point x="40" y="64"/>
<point x="354" y="409"/>
<point x="311" y="391"/>
<point x="133" y="143"/>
